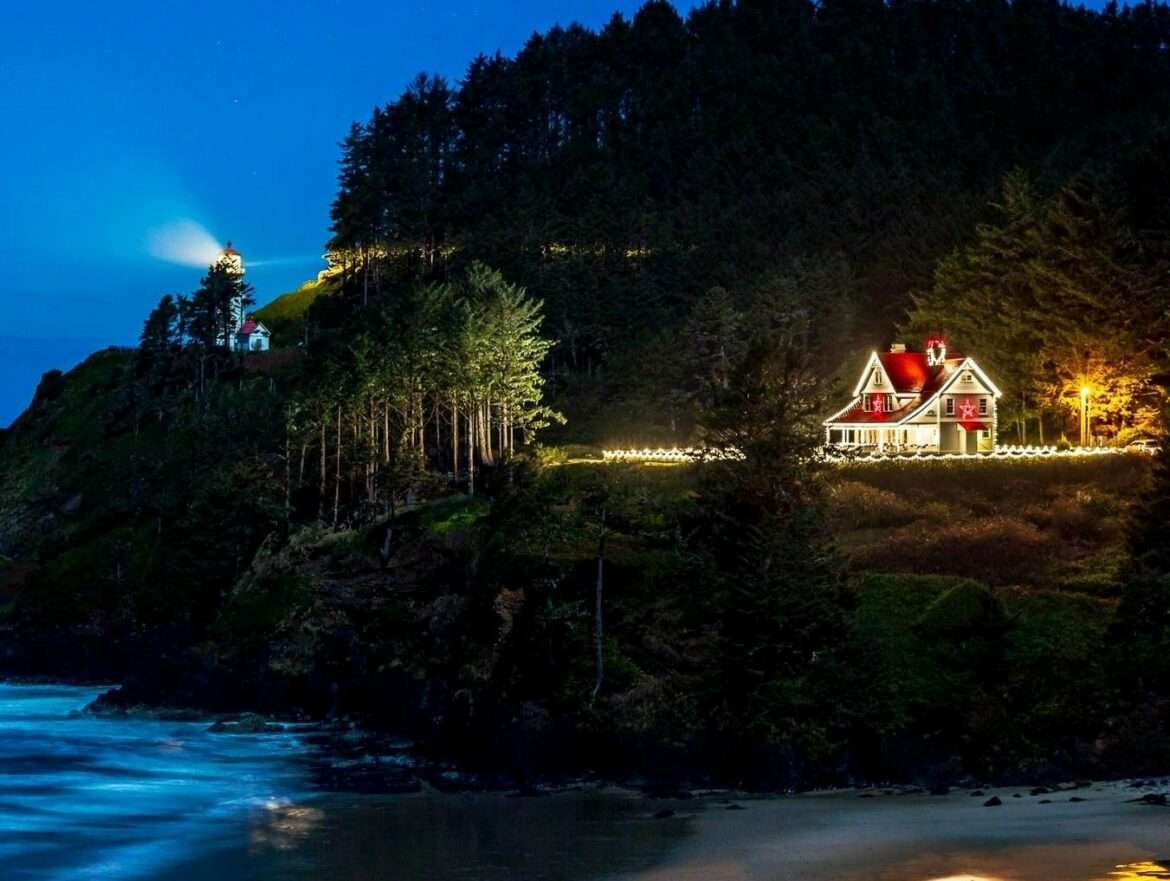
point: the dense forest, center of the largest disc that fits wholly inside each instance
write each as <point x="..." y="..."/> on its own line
<point x="667" y="231"/>
<point x="842" y="148"/>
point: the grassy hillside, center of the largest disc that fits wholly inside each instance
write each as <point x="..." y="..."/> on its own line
<point x="285" y="315"/>
<point x="1057" y="524"/>
<point x="471" y="621"/>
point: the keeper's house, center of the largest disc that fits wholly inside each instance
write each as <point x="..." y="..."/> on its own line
<point x="928" y="401"/>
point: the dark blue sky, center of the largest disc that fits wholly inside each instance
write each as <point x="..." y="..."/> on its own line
<point x="121" y="118"/>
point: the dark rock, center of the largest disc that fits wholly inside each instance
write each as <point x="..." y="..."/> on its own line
<point x="1039" y="790"/>
<point x="527" y="792"/>
<point x="735" y="807"/>
<point x="246" y="724"/>
<point x="1016" y="795"/>
<point x="1076" y="798"/>
<point x="977" y="792"/>
<point x="668" y="792"/>
<point x="1159" y="799"/>
<point x="992" y="802"/>
<point x="663" y="814"/>
<point x="1044" y="801"/>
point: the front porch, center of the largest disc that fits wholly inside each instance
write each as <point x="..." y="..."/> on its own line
<point x="947" y="437"/>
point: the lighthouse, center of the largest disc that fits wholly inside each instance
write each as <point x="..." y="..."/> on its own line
<point x="247" y="334"/>
<point x="233" y="261"/>
<point x="232" y="258"/>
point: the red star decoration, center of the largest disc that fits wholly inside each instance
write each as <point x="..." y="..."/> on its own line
<point x="968" y="410"/>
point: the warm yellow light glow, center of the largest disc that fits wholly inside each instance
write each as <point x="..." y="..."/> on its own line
<point x="1084" y="393"/>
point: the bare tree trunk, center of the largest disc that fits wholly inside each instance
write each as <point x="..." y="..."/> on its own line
<point x="287" y="474"/>
<point x="454" y="437"/>
<point x="370" y="457"/>
<point x="321" y="489"/>
<point x="337" y="472"/>
<point x="470" y="450"/>
<point x="598" y="619"/>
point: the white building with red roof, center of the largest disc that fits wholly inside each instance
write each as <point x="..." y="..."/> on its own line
<point x="930" y="401"/>
<point x="252" y="336"/>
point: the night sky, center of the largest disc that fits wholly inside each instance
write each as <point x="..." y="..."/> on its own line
<point x="123" y="119"/>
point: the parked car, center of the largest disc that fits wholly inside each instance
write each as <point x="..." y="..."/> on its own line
<point x="1144" y="445"/>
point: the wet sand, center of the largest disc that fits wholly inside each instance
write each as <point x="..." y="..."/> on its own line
<point x="845" y="837"/>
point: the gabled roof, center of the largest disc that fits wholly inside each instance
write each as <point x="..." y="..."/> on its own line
<point x="251" y="326"/>
<point x="908" y="373"/>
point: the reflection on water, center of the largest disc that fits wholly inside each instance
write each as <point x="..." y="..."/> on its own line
<point x="1145" y="869"/>
<point x="281" y="825"/>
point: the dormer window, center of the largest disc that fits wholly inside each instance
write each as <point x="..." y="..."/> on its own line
<point x="877" y="376"/>
<point x="967" y="376"/>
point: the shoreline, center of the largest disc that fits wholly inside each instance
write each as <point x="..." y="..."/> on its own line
<point x="365" y="754"/>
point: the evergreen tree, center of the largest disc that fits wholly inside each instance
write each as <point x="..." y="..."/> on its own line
<point x="160" y="332"/>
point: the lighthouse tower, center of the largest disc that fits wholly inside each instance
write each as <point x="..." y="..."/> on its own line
<point x="232" y="257"/>
<point x="232" y="260"/>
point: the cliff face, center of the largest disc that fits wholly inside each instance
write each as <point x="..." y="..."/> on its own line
<point x="45" y="455"/>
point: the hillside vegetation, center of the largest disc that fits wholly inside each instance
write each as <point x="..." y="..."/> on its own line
<point x="668" y="231"/>
<point x="285" y="315"/>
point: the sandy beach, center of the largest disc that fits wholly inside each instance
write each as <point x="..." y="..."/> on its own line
<point x="846" y="836"/>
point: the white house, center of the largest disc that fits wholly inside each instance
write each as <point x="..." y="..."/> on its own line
<point x="933" y="401"/>
<point x="252" y="336"/>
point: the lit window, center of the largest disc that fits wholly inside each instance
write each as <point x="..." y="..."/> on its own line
<point x="950" y="411"/>
<point x="983" y="406"/>
<point x="865" y="403"/>
<point x="967" y="377"/>
<point x="877" y="376"/>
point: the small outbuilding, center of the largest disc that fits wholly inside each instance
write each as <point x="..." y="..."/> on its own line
<point x="252" y="336"/>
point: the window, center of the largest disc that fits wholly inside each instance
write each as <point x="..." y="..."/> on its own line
<point x="983" y="406"/>
<point x="865" y="403"/>
<point x="950" y="406"/>
<point x="877" y="376"/>
<point x="967" y="377"/>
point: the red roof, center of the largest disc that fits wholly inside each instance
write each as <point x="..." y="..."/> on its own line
<point x="229" y="251"/>
<point x="909" y="374"/>
<point x="248" y="327"/>
<point x="908" y="371"/>
<point x="857" y="413"/>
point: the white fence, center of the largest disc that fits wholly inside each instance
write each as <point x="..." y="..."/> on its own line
<point x="673" y="454"/>
<point x="1003" y="451"/>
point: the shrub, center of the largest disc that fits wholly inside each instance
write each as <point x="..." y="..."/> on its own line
<point x="998" y="550"/>
<point x="965" y="609"/>
<point x="856" y="505"/>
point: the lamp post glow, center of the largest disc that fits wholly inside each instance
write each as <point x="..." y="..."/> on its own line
<point x="1084" y="416"/>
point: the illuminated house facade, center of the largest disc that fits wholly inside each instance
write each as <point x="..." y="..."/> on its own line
<point x="931" y="401"/>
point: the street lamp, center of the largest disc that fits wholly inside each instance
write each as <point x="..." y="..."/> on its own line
<point x="1084" y="415"/>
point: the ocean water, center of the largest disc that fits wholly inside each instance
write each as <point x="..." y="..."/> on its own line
<point x="85" y="797"/>
<point x="91" y="797"/>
